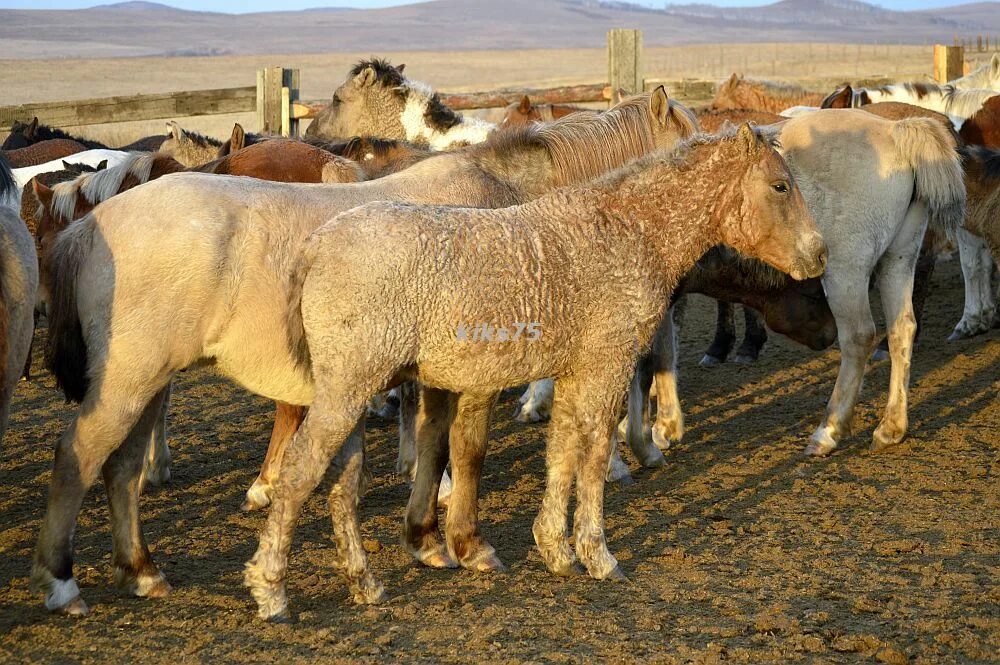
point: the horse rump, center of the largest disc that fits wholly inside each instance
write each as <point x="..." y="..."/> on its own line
<point x="932" y="153"/>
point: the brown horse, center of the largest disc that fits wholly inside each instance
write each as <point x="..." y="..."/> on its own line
<point x="378" y="157"/>
<point x="743" y="93"/>
<point x="982" y="180"/>
<point x="43" y="151"/>
<point x="519" y="114"/>
<point x="983" y="128"/>
<point x="23" y="134"/>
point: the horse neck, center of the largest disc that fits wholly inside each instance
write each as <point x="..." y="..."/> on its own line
<point x="678" y="211"/>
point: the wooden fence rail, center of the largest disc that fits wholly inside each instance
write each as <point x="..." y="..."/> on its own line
<point x="275" y="98"/>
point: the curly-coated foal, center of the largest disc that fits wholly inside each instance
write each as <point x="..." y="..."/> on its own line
<point x="387" y="289"/>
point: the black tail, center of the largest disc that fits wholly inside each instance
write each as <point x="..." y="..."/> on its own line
<point x="66" y="352"/>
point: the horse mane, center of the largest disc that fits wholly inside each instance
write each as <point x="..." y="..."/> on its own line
<point x="776" y="89"/>
<point x="385" y="74"/>
<point x="100" y="185"/>
<point x="584" y="147"/>
<point x="988" y="159"/>
<point x="45" y="132"/>
<point x="8" y="186"/>
<point x="202" y="140"/>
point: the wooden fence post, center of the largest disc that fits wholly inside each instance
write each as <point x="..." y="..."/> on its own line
<point x="625" y="61"/>
<point x="277" y="90"/>
<point x="948" y="62"/>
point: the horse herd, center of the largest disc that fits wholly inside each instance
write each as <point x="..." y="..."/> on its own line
<point x="323" y="272"/>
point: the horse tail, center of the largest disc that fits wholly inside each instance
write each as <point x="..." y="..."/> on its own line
<point x="932" y="153"/>
<point x="66" y="351"/>
<point x="293" y="315"/>
<point x="8" y="185"/>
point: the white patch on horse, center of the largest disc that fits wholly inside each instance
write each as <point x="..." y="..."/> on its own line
<point x="60" y="593"/>
<point x="469" y="130"/>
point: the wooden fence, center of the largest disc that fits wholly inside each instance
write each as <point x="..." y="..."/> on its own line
<point x="275" y="98"/>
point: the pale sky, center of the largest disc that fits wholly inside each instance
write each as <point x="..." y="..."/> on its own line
<point x="241" y="6"/>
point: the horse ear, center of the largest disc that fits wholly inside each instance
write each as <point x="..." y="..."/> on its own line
<point x="659" y="105"/>
<point x="32" y="127"/>
<point x="525" y="106"/>
<point x="749" y="138"/>
<point x="238" y="140"/>
<point x="101" y="165"/>
<point x="995" y="64"/>
<point x="366" y="78"/>
<point x="733" y="80"/>
<point x="399" y="67"/>
<point x="842" y="98"/>
<point x="176" y="131"/>
<point x="43" y="194"/>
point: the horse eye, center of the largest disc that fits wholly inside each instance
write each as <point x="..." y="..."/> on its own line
<point x="780" y="187"/>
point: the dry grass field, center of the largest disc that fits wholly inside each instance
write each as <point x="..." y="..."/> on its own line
<point x="816" y="65"/>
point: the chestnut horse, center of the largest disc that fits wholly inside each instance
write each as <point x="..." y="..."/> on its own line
<point x="743" y="93"/>
<point x="519" y="114"/>
<point x="43" y="151"/>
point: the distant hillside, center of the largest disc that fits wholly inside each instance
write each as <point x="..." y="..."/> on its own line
<point x="150" y="29"/>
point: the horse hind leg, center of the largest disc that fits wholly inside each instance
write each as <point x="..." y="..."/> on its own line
<point x="334" y="417"/>
<point x="754" y="338"/>
<point x="977" y="266"/>
<point x="896" y="287"/>
<point x="725" y="335"/>
<point x="847" y="294"/>
<point x="926" y="262"/>
<point x="134" y="570"/>
<point x="343" y="502"/>
<point x="421" y="536"/>
<point x="101" y="427"/>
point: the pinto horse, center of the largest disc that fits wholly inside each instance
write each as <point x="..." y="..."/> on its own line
<point x="519" y="114"/>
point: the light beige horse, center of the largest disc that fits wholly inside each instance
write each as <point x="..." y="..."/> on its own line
<point x="585" y="273"/>
<point x="118" y="336"/>
<point x="873" y="186"/>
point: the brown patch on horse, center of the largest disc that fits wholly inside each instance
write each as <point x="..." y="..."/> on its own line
<point x="760" y="95"/>
<point x="983" y="128"/>
<point x="842" y="98"/>
<point x="714" y="120"/>
<point x="900" y="110"/>
<point x="42" y="152"/>
<point x="282" y="160"/>
<point x="378" y="157"/>
<point x="864" y="99"/>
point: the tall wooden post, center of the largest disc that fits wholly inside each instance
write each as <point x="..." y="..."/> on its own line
<point x="625" y="61"/>
<point x="948" y="62"/>
<point x="277" y="89"/>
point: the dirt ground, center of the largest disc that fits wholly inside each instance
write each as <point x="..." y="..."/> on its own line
<point x="739" y="550"/>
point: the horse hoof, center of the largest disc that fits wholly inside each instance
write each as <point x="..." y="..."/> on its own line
<point x="528" y="414"/>
<point x="820" y="448"/>
<point x="257" y="497"/>
<point x="709" y="361"/>
<point x="743" y="359"/>
<point x="616" y="575"/>
<point x="74" y="608"/>
<point x="653" y="458"/>
<point x="374" y="595"/>
<point x="881" y="441"/>
<point x="281" y="617"/>
<point x="155" y="587"/>
<point x="490" y="563"/>
<point x="437" y="557"/>
<point x="570" y="569"/>
<point x="880" y="354"/>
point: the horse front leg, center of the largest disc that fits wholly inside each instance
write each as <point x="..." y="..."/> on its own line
<point x="725" y="335"/>
<point x="754" y="337"/>
<point x="156" y="470"/>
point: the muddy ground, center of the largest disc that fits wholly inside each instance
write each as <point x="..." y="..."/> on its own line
<point x="739" y="550"/>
